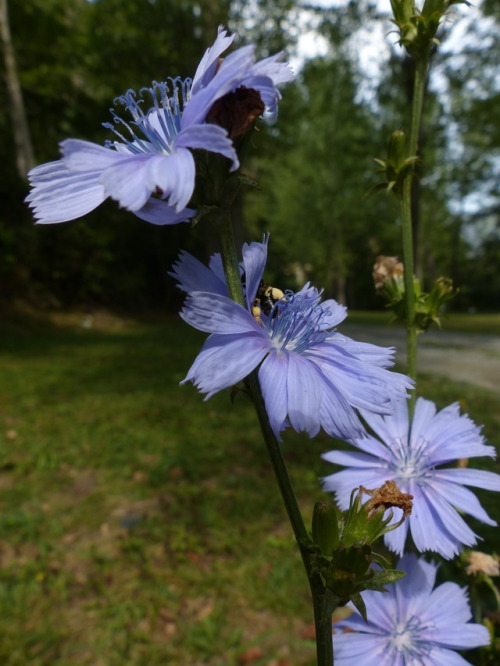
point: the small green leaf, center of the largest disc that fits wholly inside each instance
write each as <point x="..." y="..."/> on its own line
<point x="359" y="605"/>
<point x="381" y="560"/>
<point x="384" y="577"/>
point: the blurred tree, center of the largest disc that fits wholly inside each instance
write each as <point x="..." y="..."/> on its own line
<point x="314" y="185"/>
<point x="74" y="57"/>
<point x="273" y="25"/>
<point x="318" y="169"/>
<point x="470" y="168"/>
<point x="20" y="130"/>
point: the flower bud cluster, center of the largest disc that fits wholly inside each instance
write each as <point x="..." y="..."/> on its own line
<point x="388" y="275"/>
<point x="344" y="555"/>
<point x="417" y="27"/>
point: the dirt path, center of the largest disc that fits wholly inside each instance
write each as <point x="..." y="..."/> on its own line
<point x="462" y="357"/>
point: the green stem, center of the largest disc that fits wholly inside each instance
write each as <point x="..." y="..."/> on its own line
<point x="421" y="66"/>
<point x="322" y="612"/>
<point x="407" y="240"/>
<point x="406" y="221"/>
<point x="278" y="463"/>
<point x="229" y="256"/>
<point x="322" y="604"/>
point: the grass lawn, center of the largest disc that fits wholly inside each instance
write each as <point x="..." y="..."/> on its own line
<point x="460" y="321"/>
<point x="140" y="525"/>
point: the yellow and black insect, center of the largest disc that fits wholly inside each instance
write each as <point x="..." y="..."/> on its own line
<point x="265" y="299"/>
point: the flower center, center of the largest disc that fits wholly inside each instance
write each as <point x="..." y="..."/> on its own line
<point x="406" y="638"/>
<point x="296" y="323"/>
<point x="155" y="130"/>
<point x="411" y="460"/>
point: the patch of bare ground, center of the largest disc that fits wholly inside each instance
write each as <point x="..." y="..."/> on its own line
<point x="472" y="358"/>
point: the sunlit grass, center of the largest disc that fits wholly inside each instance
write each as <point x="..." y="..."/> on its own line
<point x="468" y="323"/>
<point x="140" y="525"/>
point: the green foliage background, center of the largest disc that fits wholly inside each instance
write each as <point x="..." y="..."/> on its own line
<point x="313" y="167"/>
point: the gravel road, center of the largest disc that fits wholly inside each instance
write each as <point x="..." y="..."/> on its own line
<point x="462" y="357"/>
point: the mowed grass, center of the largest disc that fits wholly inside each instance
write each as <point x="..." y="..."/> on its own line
<point x="483" y="323"/>
<point x="140" y="525"/>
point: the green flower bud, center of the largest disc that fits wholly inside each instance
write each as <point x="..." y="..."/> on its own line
<point x="429" y="305"/>
<point x="325" y="527"/>
<point x="345" y="562"/>
<point x="397" y="150"/>
<point x="402" y="10"/>
<point x="417" y="28"/>
<point x="397" y="166"/>
<point x="350" y="568"/>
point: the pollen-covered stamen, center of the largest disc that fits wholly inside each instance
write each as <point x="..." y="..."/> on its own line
<point x="298" y="325"/>
<point x="160" y="125"/>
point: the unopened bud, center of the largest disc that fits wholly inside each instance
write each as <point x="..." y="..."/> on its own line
<point x="429" y="305"/>
<point x="397" y="150"/>
<point x="403" y="10"/>
<point x="444" y="289"/>
<point x="325" y="527"/>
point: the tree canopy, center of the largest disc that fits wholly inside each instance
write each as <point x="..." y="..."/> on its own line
<point x="314" y="166"/>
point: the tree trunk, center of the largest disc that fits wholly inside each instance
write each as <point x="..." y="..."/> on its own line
<point x="24" y="151"/>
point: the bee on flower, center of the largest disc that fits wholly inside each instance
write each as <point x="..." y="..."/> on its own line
<point x="310" y="375"/>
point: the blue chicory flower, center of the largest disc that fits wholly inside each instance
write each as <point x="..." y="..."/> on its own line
<point x="310" y="375"/>
<point x="410" y="455"/>
<point x="413" y="624"/>
<point x="155" y="160"/>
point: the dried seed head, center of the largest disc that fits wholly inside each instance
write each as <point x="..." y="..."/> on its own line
<point x="482" y="563"/>
<point x="386" y="268"/>
<point x="388" y="496"/>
